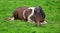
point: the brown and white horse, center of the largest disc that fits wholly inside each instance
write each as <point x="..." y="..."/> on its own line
<point x="30" y="14"/>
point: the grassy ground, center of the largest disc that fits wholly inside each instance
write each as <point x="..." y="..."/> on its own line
<point x="50" y="7"/>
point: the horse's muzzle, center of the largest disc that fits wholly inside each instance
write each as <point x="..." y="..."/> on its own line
<point x="38" y="23"/>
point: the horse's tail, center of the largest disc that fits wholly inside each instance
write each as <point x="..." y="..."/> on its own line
<point x="14" y="16"/>
<point x="9" y="18"/>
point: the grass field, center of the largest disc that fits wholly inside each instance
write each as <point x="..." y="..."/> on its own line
<point x="50" y="7"/>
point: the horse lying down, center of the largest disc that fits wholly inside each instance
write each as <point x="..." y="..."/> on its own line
<point x="30" y="14"/>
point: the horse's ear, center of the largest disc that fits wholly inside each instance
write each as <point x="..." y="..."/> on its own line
<point x="36" y="9"/>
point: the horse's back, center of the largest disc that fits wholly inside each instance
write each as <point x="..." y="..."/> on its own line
<point x="19" y="12"/>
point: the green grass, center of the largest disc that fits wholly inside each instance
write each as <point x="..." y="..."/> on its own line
<point x="50" y="7"/>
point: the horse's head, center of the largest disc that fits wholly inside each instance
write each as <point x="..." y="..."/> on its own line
<point x="39" y="15"/>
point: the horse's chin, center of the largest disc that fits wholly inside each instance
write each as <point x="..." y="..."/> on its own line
<point x="38" y="23"/>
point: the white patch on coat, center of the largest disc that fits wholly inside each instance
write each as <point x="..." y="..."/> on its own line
<point x="29" y="20"/>
<point x="24" y="14"/>
<point x="44" y="22"/>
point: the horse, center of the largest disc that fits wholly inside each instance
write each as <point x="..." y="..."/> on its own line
<point x="31" y="14"/>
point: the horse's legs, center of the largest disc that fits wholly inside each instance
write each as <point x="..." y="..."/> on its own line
<point x="10" y="18"/>
<point x="14" y="16"/>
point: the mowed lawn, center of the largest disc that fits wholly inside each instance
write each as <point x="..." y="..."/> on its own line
<point x="50" y="7"/>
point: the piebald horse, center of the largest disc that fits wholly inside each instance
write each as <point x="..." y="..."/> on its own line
<point x="30" y="14"/>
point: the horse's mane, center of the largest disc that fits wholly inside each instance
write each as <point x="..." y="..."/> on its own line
<point x="41" y="11"/>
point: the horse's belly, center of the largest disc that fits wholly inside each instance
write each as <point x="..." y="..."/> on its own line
<point x="20" y="15"/>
